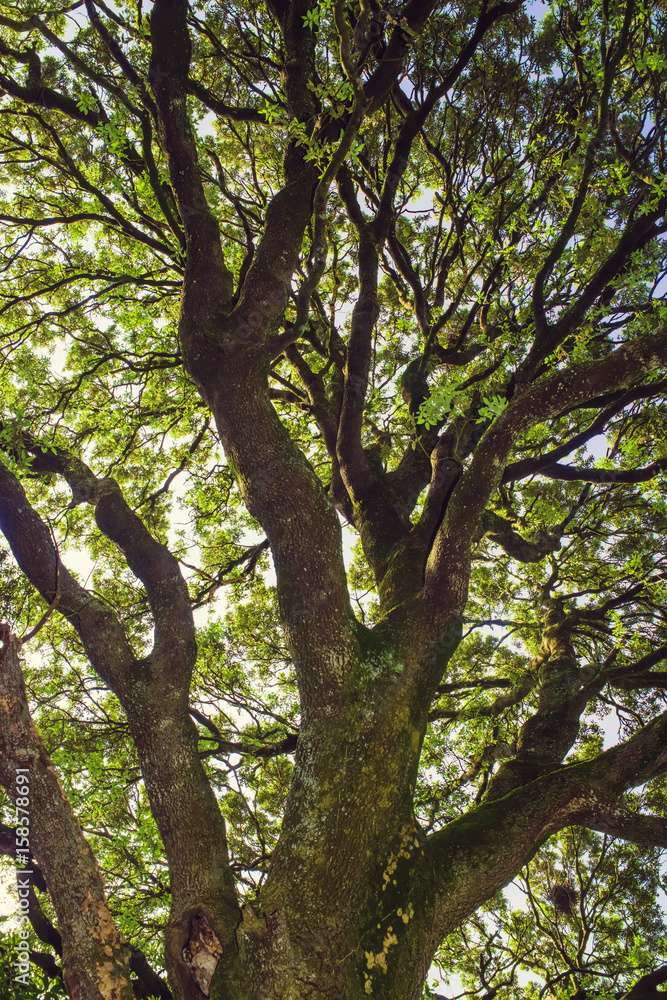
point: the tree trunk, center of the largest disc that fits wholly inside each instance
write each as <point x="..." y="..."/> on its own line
<point x="339" y="898"/>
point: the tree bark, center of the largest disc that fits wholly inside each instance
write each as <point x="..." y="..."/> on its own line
<point x="95" y="958"/>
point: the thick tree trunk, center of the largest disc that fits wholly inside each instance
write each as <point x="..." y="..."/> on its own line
<point x="340" y="903"/>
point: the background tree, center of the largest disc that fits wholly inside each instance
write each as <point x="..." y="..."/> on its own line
<point x="274" y="269"/>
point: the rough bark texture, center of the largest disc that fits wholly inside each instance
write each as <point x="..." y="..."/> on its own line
<point x="95" y="959"/>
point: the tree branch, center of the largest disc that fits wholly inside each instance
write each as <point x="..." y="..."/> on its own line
<point x="509" y="829"/>
<point x="531" y="466"/>
<point x="30" y="541"/>
<point x="150" y="561"/>
<point x="95" y="956"/>
<point x="208" y="282"/>
<point x="525" y="550"/>
<point x="448" y="565"/>
<point x="619" y="821"/>
<point x="571" y="474"/>
<point x="153" y="692"/>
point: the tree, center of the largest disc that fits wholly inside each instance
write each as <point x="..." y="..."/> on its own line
<point x="275" y="269"/>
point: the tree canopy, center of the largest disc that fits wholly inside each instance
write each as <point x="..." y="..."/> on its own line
<point x="332" y="448"/>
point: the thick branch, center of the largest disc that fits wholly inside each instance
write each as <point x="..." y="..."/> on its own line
<point x="268" y="283"/>
<point x="382" y="528"/>
<point x="30" y="541"/>
<point x="46" y="932"/>
<point x="208" y="281"/>
<point x="502" y="532"/>
<point x="639" y="674"/>
<point x="228" y="356"/>
<point x="379" y="522"/>
<point x="563" y="692"/>
<point x="448" y="566"/>
<point x="477" y="854"/>
<point x="220" y="108"/>
<point x="95" y="956"/>
<point x="154" y="694"/>
<point x="572" y="474"/>
<point x="46" y="97"/>
<point x="619" y="821"/>
<point x="151" y="562"/>
<point x="531" y="466"/>
<point x="645" y="988"/>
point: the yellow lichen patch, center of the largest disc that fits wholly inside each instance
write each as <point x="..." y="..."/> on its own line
<point x="408" y="842"/>
<point x="327" y="802"/>
<point x="389" y="870"/>
<point x="378" y="960"/>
